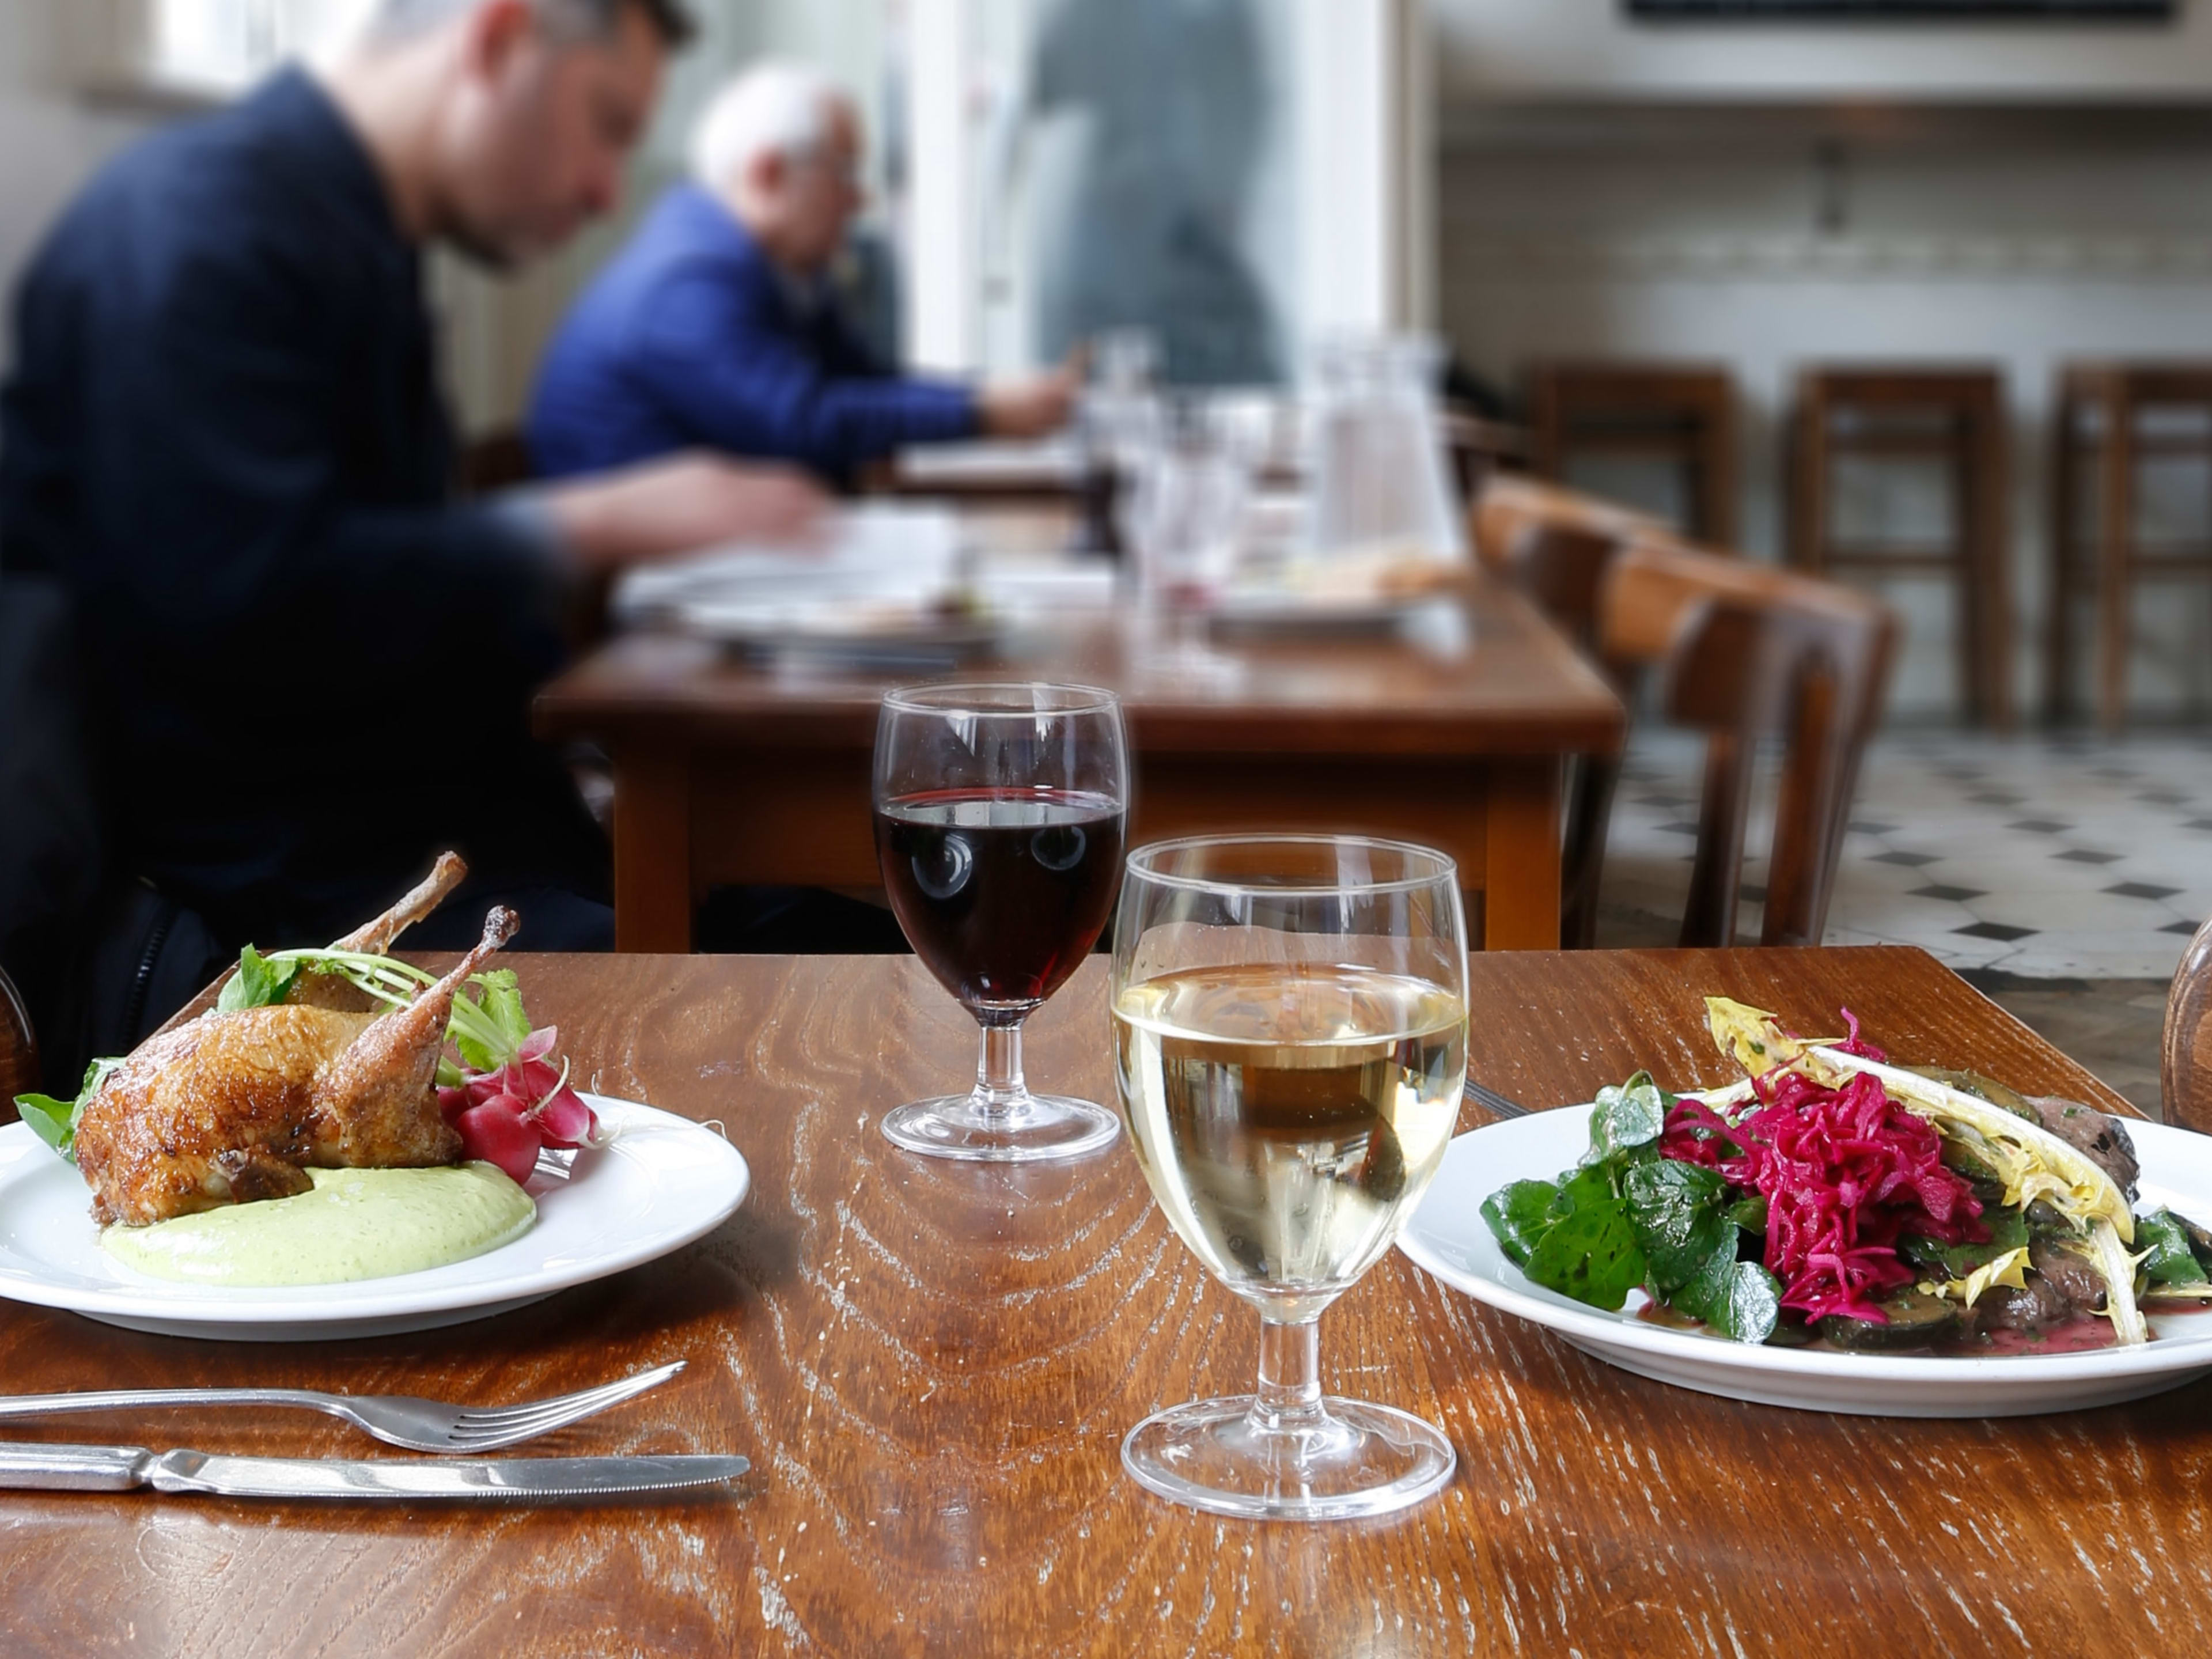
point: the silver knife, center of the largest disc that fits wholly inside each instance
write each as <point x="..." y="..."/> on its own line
<point x="509" y="1479"/>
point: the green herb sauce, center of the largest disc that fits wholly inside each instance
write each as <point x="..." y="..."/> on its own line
<point x="356" y="1224"/>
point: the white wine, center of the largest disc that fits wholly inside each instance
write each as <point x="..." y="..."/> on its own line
<point x="1287" y="1116"/>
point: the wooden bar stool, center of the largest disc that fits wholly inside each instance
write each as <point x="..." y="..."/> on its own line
<point x="1681" y="412"/>
<point x="1955" y="415"/>
<point x="2100" y="425"/>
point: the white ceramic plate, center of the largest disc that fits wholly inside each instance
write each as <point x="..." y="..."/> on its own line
<point x="1448" y="1237"/>
<point x="661" y="1183"/>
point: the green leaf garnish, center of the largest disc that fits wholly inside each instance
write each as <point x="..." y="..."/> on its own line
<point x="55" y="1122"/>
<point x="1632" y="1115"/>
<point x="259" y="982"/>
<point x="1519" y="1215"/>
<point x="2166" y="1258"/>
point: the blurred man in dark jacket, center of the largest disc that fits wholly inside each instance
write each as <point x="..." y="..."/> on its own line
<point x="307" y="665"/>
<point x="717" y="327"/>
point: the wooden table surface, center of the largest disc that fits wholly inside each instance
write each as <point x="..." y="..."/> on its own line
<point x="725" y="772"/>
<point x="932" y="1366"/>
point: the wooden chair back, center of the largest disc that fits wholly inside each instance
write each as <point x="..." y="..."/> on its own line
<point x="1750" y="654"/>
<point x="2186" y="1063"/>
<point x="1556" y="544"/>
<point x="19" y="1050"/>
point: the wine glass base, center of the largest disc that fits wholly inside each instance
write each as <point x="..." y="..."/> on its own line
<point x="1361" y="1459"/>
<point x="1043" y="1127"/>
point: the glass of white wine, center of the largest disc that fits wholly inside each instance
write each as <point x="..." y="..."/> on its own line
<point x="1289" y="1036"/>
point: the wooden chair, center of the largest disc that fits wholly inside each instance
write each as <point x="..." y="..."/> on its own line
<point x="19" y="1050"/>
<point x="2186" y="1060"/>
<point x="1748" y="654"/>
<point x="1684" y="413"/>
<point x="2099" y="426"/>
<point x="1555" y="545"/>
<point x="1952" y="416"/>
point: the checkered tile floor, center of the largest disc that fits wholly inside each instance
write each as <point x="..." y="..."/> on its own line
<point x="2066" y="857"/>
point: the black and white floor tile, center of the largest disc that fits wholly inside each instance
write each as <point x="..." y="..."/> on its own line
<point x="2044" y="857"/>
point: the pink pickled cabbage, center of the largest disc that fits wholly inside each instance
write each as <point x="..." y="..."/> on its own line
<point x="1845" y="1173"/>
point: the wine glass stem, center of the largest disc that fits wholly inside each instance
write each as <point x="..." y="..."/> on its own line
<point x="1000" y="1085"/>
<point x="1289" y="1397"/>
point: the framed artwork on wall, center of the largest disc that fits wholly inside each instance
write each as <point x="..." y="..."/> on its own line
<point x="2085" y="11"/>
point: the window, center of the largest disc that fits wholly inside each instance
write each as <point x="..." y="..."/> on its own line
<point x="217" y="47"/>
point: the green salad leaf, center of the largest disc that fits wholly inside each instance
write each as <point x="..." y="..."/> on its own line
<point x="1742" y="1300"/>
<point x="1627" y="1217"/>
<point x="1632" y="1115"/>
<point x="1590" y="1251"/>
<point x="258" y="983"/>
<point x="55" y="1122"/>
<point x="1680" y="1216"/>
<point x="2008" y="1230"/>
<point x="2167" y="1256"/>
<point x="1519" y="1215"/>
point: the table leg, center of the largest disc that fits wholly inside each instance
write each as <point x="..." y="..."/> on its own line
<point x="652" y="851"/>
<point x="1521" y="856"/>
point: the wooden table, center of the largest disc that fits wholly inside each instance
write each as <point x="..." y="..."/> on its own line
<point x="932" y="1366"/>
<point x="728" y="773"/>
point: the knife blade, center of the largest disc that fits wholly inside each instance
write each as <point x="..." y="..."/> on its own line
<point x="507" y="1479"/>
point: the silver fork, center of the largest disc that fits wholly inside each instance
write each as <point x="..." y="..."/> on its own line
<point x="1491" y="1101"/>
<point x="398" y="1420"/>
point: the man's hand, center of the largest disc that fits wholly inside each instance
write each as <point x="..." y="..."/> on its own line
<point x="664" y="508"/>
<point x="1031" y="408"/>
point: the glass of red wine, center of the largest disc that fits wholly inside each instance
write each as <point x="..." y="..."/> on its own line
<point x="1000" y="812"/>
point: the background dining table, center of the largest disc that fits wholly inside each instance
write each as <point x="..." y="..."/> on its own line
<point x="931" y="1365"/>
<point x="728" y="771"/>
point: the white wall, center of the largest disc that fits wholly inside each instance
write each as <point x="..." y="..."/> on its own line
<point x="50" y="141"/>
<point x="1535" y="49"/>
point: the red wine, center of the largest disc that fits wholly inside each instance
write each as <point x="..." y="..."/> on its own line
<point x="1001" y="892"/>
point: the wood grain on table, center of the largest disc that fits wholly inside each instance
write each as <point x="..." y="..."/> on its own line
<point x="932" y="1366"/>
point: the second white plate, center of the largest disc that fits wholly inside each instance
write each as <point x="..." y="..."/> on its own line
<point x="1448" y="1237"/>
<point x="662" y="1182"/>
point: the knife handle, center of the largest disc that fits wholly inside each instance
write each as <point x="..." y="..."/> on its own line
<point x="73" y="1469"/>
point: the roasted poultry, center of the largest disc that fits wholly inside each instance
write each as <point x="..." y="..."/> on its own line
<point x="233" y="1106"/>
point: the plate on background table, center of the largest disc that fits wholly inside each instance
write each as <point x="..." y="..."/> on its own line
<point x="661" y="1183"/>
<point x="1448" y="1237"/>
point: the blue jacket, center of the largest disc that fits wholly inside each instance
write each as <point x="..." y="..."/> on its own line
<point x="691" y="338"/>
<point x="309" y="667"/>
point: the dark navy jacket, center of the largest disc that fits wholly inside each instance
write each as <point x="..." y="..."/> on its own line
<point x="308" y="667"/>
<point x="692" y="339"/>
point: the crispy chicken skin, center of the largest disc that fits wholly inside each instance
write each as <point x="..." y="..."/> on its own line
<point x="231" y="1108"/>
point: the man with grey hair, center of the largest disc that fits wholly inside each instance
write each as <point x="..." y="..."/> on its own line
<point x="717" y="327"/>
<point x="307" y="665"/>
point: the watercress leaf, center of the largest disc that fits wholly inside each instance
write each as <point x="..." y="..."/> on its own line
<point x="55" y="1122"/>
<point x="50" y="1120"/>
<point x="500" y="997"/>
<point x="1749" y="1212"/>
<point x="1632" y="1114"/>
<point x="258" y="983"/>
<point x="1740" y="1299"/>
<point x="1750" y="1304"/>
<point x="1589" y="1252"/>
<point x="1677" y="1210"/>
<point x="496" y="1038"/>
<point x="2008" y="1230"/>
<point x="1519" y="1215"/>
<point x="2167" y="1259"/>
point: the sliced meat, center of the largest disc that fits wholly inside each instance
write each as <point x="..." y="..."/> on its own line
<point x="2073" y="1274"/>
<point x="2042" y="1303"/>
<point x="2102" y="1137"/>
